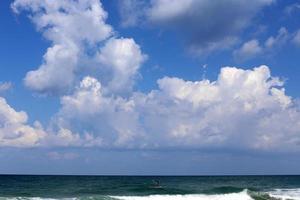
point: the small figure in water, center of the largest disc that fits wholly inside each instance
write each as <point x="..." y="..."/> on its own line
<point x="156" y="184"/>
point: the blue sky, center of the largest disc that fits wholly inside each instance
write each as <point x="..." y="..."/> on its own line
<point x="116" y="87"/>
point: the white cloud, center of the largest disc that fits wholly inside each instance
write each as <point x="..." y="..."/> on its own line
<point x="248" y="50"/>
<point x="281" y="38"/>
<point x="112" y="119"/>
<point x="253" y="48"/>
<point x="4" y="86"/>
<point x="122" y="58"/>
<point x="165" y="10"/>
<point x="82" y="44"/>
<point x="14" y="130"/>
<point x="200" y="23"/>
<point x="242" y="109"/>
<point x="296" y="38"/>
<point x="86" y="98"/>
<point x="131" y="12"/>
<point x="63" y="137"/>
<point x="57" y="73"/>
<point x="227" y="113"/>
<point x="65" y="21"/>
<point x="71" y="26"/>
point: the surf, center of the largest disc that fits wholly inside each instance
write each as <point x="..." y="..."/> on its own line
<point x="285" y="194"/>
<point x="231" y="196"/>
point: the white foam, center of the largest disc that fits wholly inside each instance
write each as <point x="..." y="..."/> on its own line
<point x="232" y="196"/>
<point x="285" y="194"/>
<point x="34" y="198"/>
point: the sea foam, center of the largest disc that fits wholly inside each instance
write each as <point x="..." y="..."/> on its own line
<point x="232" y="196"/>
<point x="286" y="194"/>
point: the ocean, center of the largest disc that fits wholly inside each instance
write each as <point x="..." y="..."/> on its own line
<point x="27" y="187"/>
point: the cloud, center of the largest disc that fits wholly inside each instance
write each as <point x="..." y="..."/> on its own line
<point x="242" y="109"/>
<point x="296" y="38"/>
<point x="71" y="26"/>
<point x="82" y="43"/>
<point x="290" y="9"/>
<point x="4" y="86"/>
<point x="67" y="21"/>
<point x="248" y="50"/>
<point x="14" y="130"/>
<point x="56" y="75"/>
<point x="281" y="38"/>
<point x="54" y="155"/>
<point x="253" y="48"/>
<point x="200" y="23"/>
<point x="121" y="58"/>
<point x="236" y="110"/>
<point x="112" y="119"/>
<point x="131" y="12"/>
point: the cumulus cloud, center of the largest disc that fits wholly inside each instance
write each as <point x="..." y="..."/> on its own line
<point x="123" y="58"/>
<point x="253" y="48"/>
<point x="80" y="45"/>
<point x="242" y="109"/>
<point x="14" y="130"/>
<point x="68" y="25"/>
<point x="236" y="110"/>
<point x="69" y="20"/>
<point x="57" y="73"/>
<point x="201" y="23"/>
<point x="112" y="119"/>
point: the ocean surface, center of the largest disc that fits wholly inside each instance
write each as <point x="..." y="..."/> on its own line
<point x="149" y="188"/>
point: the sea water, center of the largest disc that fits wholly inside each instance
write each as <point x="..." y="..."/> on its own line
<point x="19" y="187"/>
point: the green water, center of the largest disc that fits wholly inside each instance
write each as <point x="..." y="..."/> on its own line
<point x="107" y="187"/>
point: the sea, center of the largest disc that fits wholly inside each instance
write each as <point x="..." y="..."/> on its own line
<point x="37" y="187"/>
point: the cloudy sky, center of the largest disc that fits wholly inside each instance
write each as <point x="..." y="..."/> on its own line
<point x="150" y="87"/>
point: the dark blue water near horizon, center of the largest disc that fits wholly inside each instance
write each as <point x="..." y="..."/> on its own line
<point x="137" y="187"/>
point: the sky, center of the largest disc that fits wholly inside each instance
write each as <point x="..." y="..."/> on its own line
<point x="154" y="87"/>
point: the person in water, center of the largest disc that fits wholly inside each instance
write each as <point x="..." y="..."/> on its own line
<point x="156" y="183"/>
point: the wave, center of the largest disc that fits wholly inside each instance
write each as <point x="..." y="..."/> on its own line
<point x="285" y="194"/>
<point x="276" y="194"/>
<point x="232" y="196"/>
<point x="36" y="198"/>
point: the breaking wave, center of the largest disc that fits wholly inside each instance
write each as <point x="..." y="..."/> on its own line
<point x="232" y="196"/>
<point x="276" y="194"/>
<point x="286" y="194"/>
